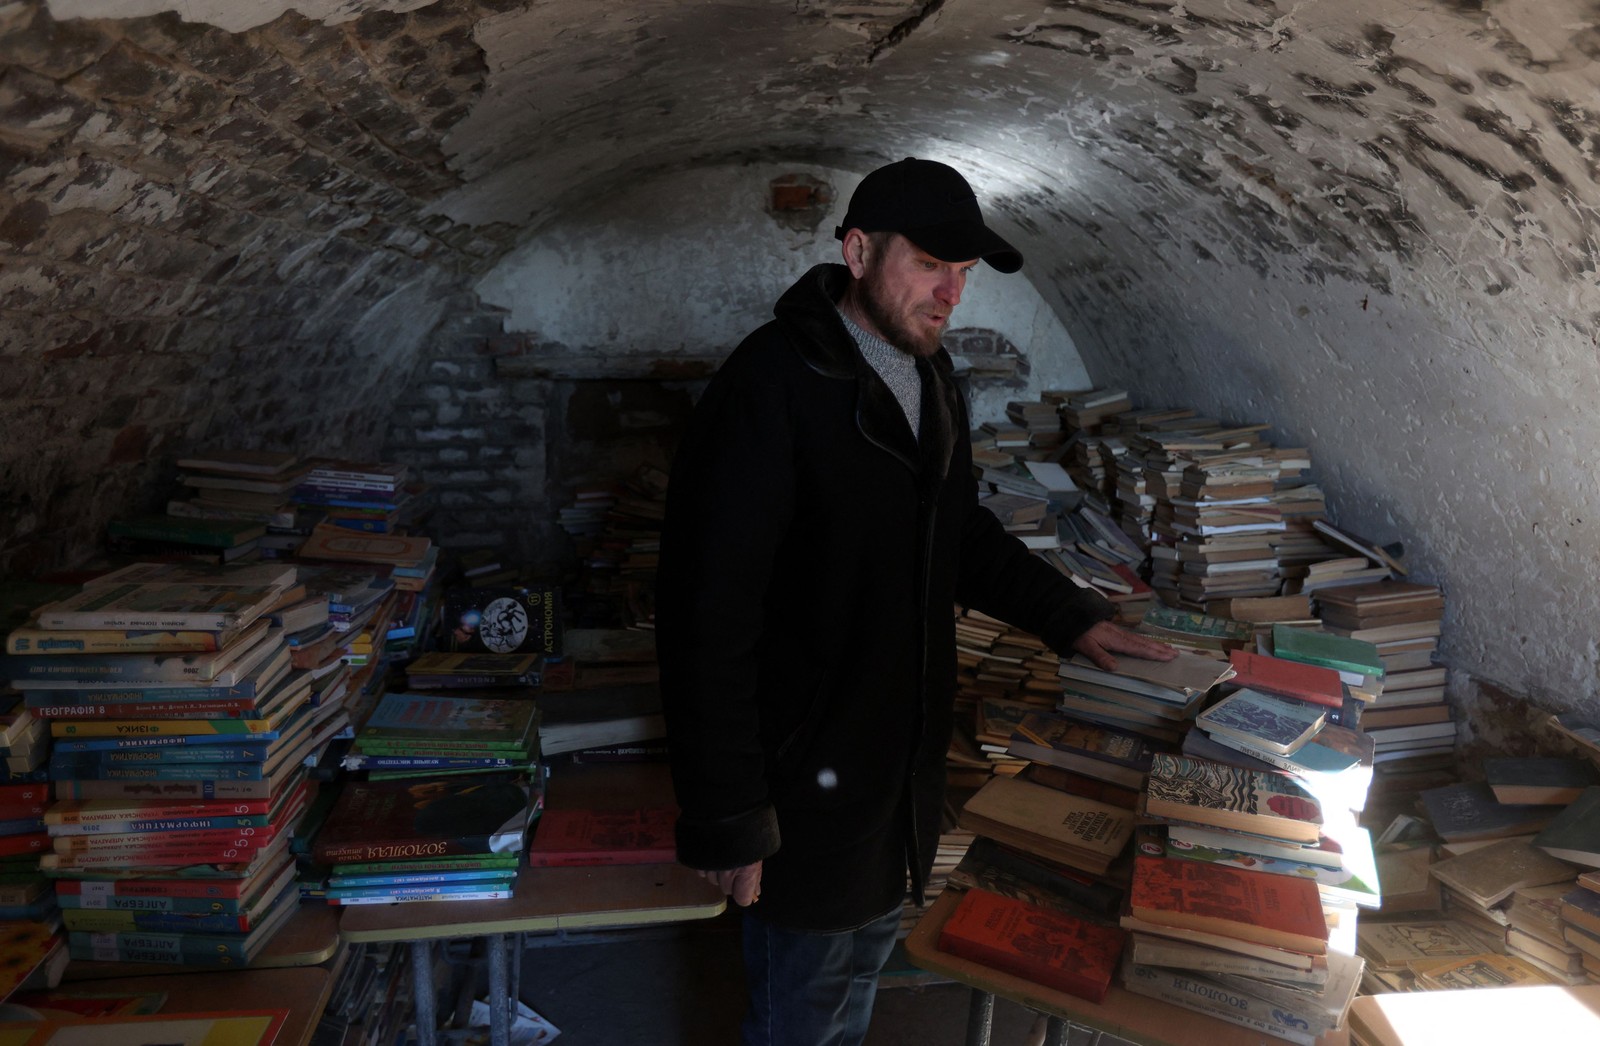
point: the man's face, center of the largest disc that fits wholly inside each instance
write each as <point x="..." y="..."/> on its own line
<point x="908" y="294"/>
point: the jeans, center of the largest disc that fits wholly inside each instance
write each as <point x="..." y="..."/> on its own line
<point x="813" y="989"/>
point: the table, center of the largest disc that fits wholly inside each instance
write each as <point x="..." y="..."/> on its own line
<point x="1122" y="1013"/>
<point x="545" y="900"/>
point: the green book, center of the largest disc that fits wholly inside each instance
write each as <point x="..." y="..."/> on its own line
<point x="216" y="533"/>
<point x="1574" y="834"/>
<point x="446" y="723"/>
<point x="1326" y="650"/>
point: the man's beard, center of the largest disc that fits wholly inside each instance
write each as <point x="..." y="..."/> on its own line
<point x="889" y="325"/>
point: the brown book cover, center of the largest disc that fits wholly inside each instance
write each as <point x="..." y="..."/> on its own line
<point x="1489" y="874"/>
<point x="566" y="838"/>
<point x="1068" y="828"/>
<point x="1047" y="947"/>
<point x="1276" y="910"/>
<point x="1482" y="971"/>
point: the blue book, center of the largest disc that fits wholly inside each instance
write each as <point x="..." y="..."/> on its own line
<point x="234" y="753"/>
<point x="419" y="878"/>
<point x="70" y="769"/>
<point x="114" y="744"/>
<point x="436" y="890"/>
<point x="1263" y="721"/>
<point x="134" y="694"/>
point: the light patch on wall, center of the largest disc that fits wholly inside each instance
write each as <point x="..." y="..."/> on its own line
<point x="231" y="15"/>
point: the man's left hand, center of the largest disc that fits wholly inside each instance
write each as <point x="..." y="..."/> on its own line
<point x="1100" y="642"/>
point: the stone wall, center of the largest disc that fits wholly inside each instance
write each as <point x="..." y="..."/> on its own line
<point x="210" y="240"/>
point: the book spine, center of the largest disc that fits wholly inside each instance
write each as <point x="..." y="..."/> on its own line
<point x="181" y="531"/>
<point x="243" y="709"/>
<point x="157" y="728"/>
<point x="171" y="621"/>
<point x="37" y="699"/>
<point x="133" y="858"/>
<point x="93" y="894"/>
<point x="479" y="895"/>
<point x="137" y="669"/>
<point x="397" y="891"/>
<point x="202" y="790"/>
<point x="172" y="905"/>
<point x="325" y="852"/>
<point x="1202" y="996"/>
<point x="42" y="641"/>
<point x="113" y="921"/>
<point x="97" y="771"/>
<point x="447" y="680"/>
<point x="178" y="840"/>
<point x="477" y="861"/>
<point x="228" y="753"/>
<point x="196" y="950"/>
<point x="15" y="845"/>
<point x="158" y="824"/>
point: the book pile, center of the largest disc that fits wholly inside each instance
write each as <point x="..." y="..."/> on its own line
<point x="1195" y="632"/>
<point x="995" y="660"/>
<point x="431" y="735"/>
<point x="155" y="749"/>
<point x="434" y="838"/>
<point x="1105" y="754"/>
<point x="1040" y="420"/>
<point x="1154" y="698"/>
<point x="1247" y="947"/>
<point x="1579" y="914"/>
<point x="441" y="670"/>
<point x="952" y="848"/>
<point x="1410" y="720"/>
<point x="1481" y="888"/>
<point x="412" y="561"/>
<point x="1232" y="902"/>
<point x="1085" y="411"/>
<point x="1044" y="945"/>
<point x="616" y="532"/>
<point x="1398" y="951"/>
<point x="1098" y="555"/>
<point x="370" y="497"/>
<point x="602" y="724"/>
<point x="25" y="892"/>
<point x="241" y="485"/>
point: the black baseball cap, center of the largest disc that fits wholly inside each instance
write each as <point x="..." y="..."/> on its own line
<point x="930" y="204"/>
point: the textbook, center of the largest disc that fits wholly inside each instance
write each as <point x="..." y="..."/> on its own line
<point x="218" y="667"/>
<point x="1178" y="681"/>
<point x="425" y="817"/>
<point x="159" y="606"/>
<point x="1072" y="830"/>
<point x="1038" y="944"/>
<point x="1274" y="675"/>
<point x="197" y="949"/>
<point x="448" y="724"/>
<point x="1262" y="721"/>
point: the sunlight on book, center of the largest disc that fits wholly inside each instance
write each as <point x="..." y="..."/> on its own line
<point x="1547" y="1014"/>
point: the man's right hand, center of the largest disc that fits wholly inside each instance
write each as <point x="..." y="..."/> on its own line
<point x="742" y="884"/>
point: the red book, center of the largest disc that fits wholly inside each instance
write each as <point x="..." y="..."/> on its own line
<point x="631" y="835"/>
<point x="1290" y="678"/>
<point x="1280" y="911"/>
<point x="32" y="842"/>
<point x="1038" y="944"/>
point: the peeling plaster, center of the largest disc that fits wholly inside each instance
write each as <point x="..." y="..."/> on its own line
<point x="232" y="15"/>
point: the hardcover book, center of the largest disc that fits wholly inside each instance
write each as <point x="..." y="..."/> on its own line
<point x="566" y="837"/>
<point x="1274" y="675"/>
<point x="1467" y="811"/>
<point x="1073" y="744"/>
<point x="1489" y="874"/>
<point x="1150" y="950"/>
<point x="440" y="669"/>
<point x="1481" y="971"/>
<point x="337" y="543"/>
<point x="1326" y="650"/>
<point x="410" y="818"/>
<point x="442" y="723"/>
<point x="1207" y="793"/>
<point x="1273" y="910"/>
<point x="1355" y="881"/>
<point x="987" y="865"/>
<point x="1546" y="781"/>
<point x="1263" y="721"/>
<point x="520" y="620"/>
<point x="1202" y="995"/>
<point x="1044" y="946"/>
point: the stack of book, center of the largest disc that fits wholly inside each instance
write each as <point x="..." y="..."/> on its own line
<point x="25" y="891"/>
<point x="1054" y="739"/>
<point x="372" y="497"/>
<point x="1195" y="632"/>
<point x="208" y="714"/>
<point x="433" y="735"/>
<point x="412" y="561"/>
<point x="442" y="670"/>
<point x="1040" y="420"/>
<point x="952" y="849"/>
<point x="1085" y="411"/>
<point x="1098" y="555"/>
<point x="1480" y="886"/>
<point x="1580" y="921"/>
<point x="1071" y="830"/>
<point x="240" y="485"/>
<point x="1398" y="950"/>
<point x="1029" y="519"/>
<point x="995" y="660"/>
<point x="204" y="540"/>
<point x="1154" y="698"/>
<point x="432" y="838"/>
<point x="1041" y="944"/>
<point x="1248" y="947"/>
<point x="616" y="531"/>
<point x="1402" y="620"/>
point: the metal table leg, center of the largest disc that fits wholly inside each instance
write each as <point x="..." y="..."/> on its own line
<point x="422" y="989"/>
<point x="1055" y="1031"/>
<point x="499" y="992"/>
<point x="980" y="1018"/>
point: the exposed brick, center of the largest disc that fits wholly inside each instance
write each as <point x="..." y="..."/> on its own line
<point x="35" y="111"/>
<point x="124" y="74"/>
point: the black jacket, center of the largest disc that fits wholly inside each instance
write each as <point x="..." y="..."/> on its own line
<point x="812" y="554"/>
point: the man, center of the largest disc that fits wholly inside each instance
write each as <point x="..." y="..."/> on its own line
<point x="822" y="521"/>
